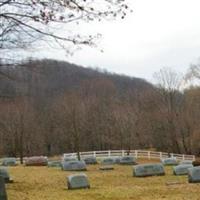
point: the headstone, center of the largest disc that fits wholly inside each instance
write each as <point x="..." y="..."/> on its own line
<point x="128" y="160"/>
<point x="194" y="175"/>
<point x="108" y="161"/>
<point x="36" y="161"/>
<point x="4" y="173"/>
<point x="74" y="166"/>
<point x="90" y="160"/>
<point x="169" y="161"/>
<point x="66" y="159"/>
<point x="3" y="194"/>
<point x="186" y="162"/>
<point x="144" y="170"/>
<point x="182" y="169"/>
<point x="117" y="160"/>
<point x="78" y="181"/>
<point x="106" y="167"/>
<point x="54" y="163"/>
<point x="9" y="162"/>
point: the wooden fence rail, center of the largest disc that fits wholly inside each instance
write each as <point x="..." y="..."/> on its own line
<point x="136" y="153"/>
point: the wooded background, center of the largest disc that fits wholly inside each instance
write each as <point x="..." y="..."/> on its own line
<point x="51" y="107"/>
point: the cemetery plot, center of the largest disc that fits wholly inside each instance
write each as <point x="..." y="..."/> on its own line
<point x="54" y="164"/>
<point x="108" y="161"/>
<point x="36" y="161"/>
<point x="3" y="194"/>
<point x="148" y="170"/>
<point x="194" y="175"/>
<point x="78" y="181"/>
<point x="90" y="160"/>
<point x="74" y="166"/>
<point x="169" y="161"/>
<point x="4" y="173"/>
<point x="182" y="169"/>
<point x="9" y="162"/>
<point x="127" y="160"/>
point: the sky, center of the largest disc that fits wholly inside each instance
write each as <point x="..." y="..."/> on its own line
<point x="159" y="33"/>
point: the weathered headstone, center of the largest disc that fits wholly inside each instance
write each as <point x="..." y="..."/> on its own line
<point x="36" y="161"/>
<point x="128" y="160"/>
<point x="4" y="173"/>
<point x="90" y="160"/>
<point x="117" y="159"/>
<point x="74" y="166"/>
<point x="3" y="194"/>
<point x="108" y="161"/>
<point x="54" y="163"/>
<point x="66" y="159"/>
<point x="169" y="161"/>
<point x="144" y="170"/>
<point x="186" y="162"/>
<point x="9" y="162"/>
<point x="106" y="167"/>
<point x="78" y="181"/>
<point x="182" y="169"/>
<point x="194" y="175"/>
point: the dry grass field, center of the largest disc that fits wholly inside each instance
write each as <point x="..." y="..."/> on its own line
<point x="42" y="183"/>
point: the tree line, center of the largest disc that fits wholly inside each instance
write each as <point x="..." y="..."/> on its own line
<point x="51" y="107"/>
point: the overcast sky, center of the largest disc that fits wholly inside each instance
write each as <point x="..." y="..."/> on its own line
<point x="159" y="33"/>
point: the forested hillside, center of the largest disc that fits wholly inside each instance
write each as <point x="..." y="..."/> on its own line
<point x="50" y="107"/>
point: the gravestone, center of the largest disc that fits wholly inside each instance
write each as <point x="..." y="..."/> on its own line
<point x="74" y="165"/>
<point x="144" y="170"/>
<point x="4" y="173"/>
<point x="3" y="194"/>
<point x="182" y="169"/>
<point x="117" y="160"/>
<point x="90" y="160"/>
<point x="169" y="161"/>
<point x="66" y="159"/>
<point x="54" y="163"/>
<point x="106" y="167"/>
<point x="196" y="163"/>
<point x="194" y="175"/>
<point x="108" y="161"/>
<point x="186" y="162"/>
<point x="9" y="162"/>
<point x="128" y="160"/>
<point x="36" y="161"/>
<point x="78" y="181"/>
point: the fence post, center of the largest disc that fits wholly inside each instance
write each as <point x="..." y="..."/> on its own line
<point x="194" y="157"/>
<point x="136" y="153"/>
<point x="183" y="157"/>
<point x="122" y="153"/>
<point x="94" y="153"/>
<point x="160" y="155"/>
<point x="149" y="155"/>
<point x="109" y="153"/>
<point x="172" y="155"/>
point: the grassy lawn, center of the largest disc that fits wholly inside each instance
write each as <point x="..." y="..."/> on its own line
<point x="42" y="183"/>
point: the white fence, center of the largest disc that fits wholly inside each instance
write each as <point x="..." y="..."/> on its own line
<point x="136" y="153"/>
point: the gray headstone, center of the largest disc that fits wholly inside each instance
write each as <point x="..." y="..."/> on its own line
<point x="66" y="159"/>
<point x="36" y="161"/>
<point x="9" y="162"/>
<point x="128" y="160"/>
<point x="106" y="167"/>
<point x="169" y="161"/>
<point x="54" y="163"/>
<point x="3" y="194"/>
<point x="144" y="170"/>
<point x="74" y="166"/>
<point x="117" y="160"/>
<point x="90" y="160"/>
<point x="186" y="162"/>
<point x="78" y="181"/>
<point x="182" y="169"/>
<point x="4" y="173"/>
<point x="194" y="175"/>
<point x="108" y="161"/>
